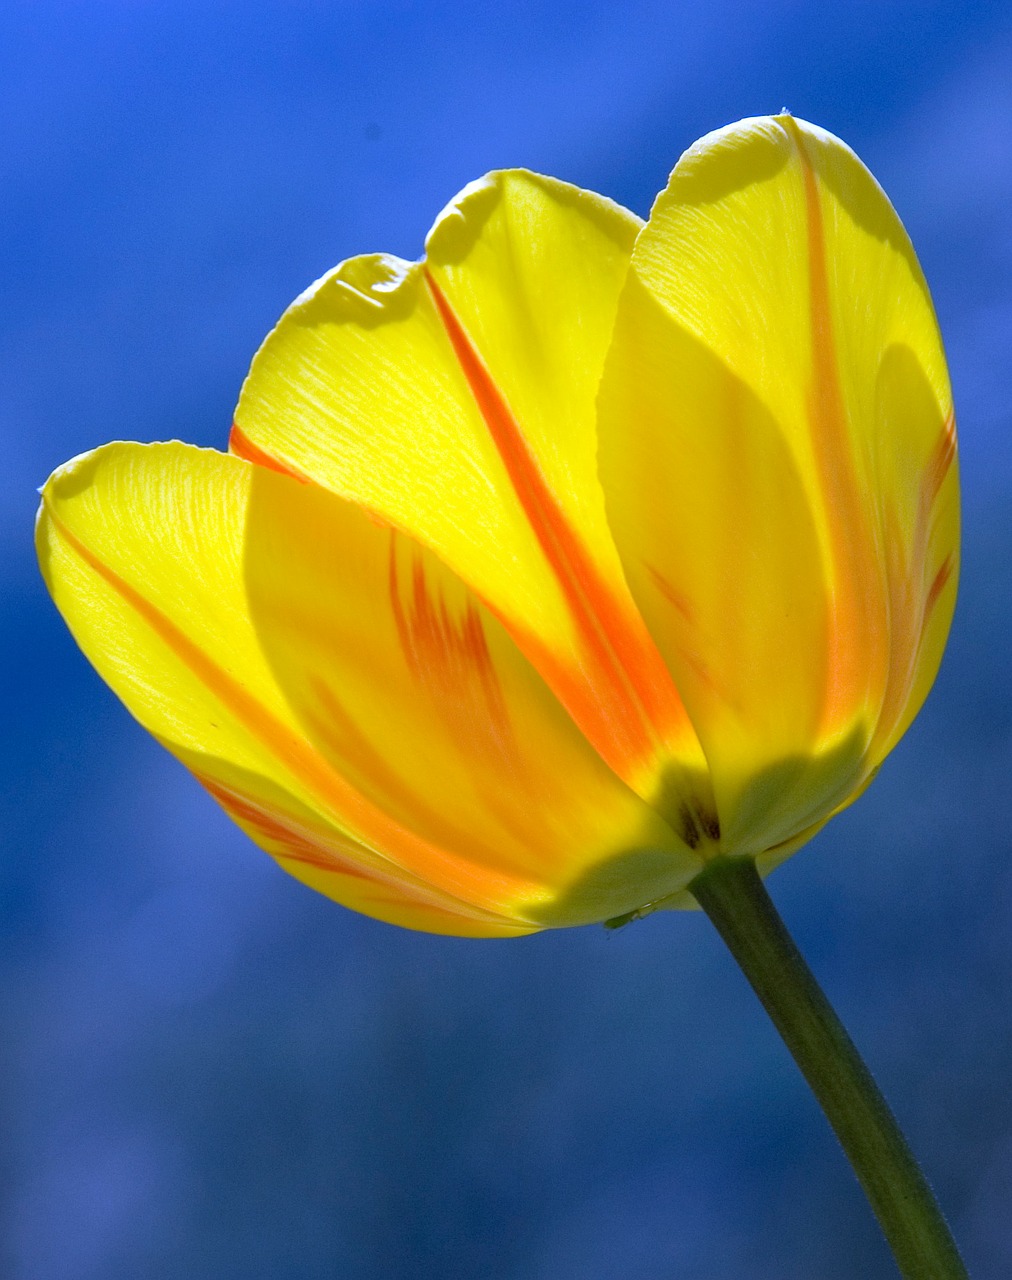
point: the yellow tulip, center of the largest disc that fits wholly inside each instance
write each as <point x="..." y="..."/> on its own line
<point x="545" y="570"/>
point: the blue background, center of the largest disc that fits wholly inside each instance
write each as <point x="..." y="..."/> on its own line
<point x="206" y="1070"/>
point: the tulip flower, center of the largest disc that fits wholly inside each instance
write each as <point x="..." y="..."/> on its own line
<point x="546" y="573"/>
<point x="544" y="570"/>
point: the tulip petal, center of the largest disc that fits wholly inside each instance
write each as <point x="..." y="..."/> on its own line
<point x="344" y="696"/>
<point x="455" y="399"/>
<point x="776" y="443"/>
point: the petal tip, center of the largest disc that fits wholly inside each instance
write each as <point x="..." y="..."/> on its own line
<point x="459" y="222"/>
<point x="363" y="289"/>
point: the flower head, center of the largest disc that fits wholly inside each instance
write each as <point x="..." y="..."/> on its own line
<point x="547" y="568"/>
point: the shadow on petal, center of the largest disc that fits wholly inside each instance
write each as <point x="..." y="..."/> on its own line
<point x="630" y="882"/>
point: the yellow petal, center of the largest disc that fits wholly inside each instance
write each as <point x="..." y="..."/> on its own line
<point x="344" y="696"/>
<point x="455" y="399"/>
<point x="776" y="448"/>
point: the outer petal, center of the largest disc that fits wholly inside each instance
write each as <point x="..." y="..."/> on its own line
<point x="776" y="450"/>
<point x="455" y="398"/>
<point x="344" y="696"/>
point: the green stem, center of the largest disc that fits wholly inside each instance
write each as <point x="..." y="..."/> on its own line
<point x="731" y="893"/>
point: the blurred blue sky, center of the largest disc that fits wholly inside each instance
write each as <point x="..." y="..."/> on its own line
<point x="205" y="1069"/>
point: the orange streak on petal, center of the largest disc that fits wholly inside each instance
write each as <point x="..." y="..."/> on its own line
<point x="243" y="447"/>
<point x="685" y="622"/>
<point x="290" y="841"/>
<point x="857" y="639"/>
<point x="942" y="457"/>
<point x="293" y="842"/>
<point x="638" y="706"/>
<point x="450" y="659"/>
<point x="937" y="586"/>
<point x="343" y="739"/>
<point x="903" y="621"/>
<point x="384" y="837"/>
<point x="911" y="600"/>
<point x="677" y="599"/>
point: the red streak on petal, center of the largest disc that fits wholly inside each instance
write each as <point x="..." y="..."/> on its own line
<point x="243" y="447"/>
<point x="637" y="705"/>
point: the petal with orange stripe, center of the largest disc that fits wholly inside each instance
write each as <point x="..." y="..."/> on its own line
<point x="776" y="450"/>
<point x="454" y="398"/>
<point x="344" y="696"/>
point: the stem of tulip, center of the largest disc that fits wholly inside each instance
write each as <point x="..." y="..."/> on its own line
<point x="732" y="894"/>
